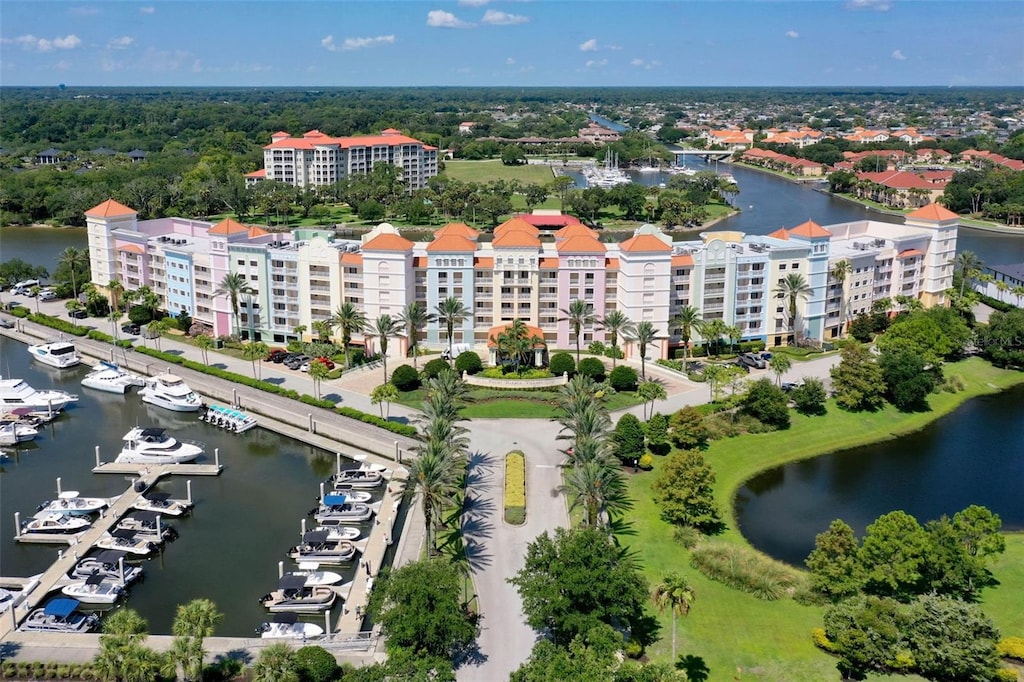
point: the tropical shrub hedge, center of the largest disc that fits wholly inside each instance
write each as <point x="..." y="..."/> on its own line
<point x="367" y="418"/>
<point x="58" y="324"/>
<point x="405" y="378"/>
<point x="562" y="363"/>
<point x="468" y="362"/>
<point x="515" y="487"/>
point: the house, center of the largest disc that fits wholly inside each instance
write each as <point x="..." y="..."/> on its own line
<point x="598" y="134"/>
<point x="50" y="156"/>
<point x="137" y="155"/>
<point x="1003" y="282"/>
<point x="466" y="127"/>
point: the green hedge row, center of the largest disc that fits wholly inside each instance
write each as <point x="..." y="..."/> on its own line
<point x="367" y="418"/>
<point x="58" y="324"/>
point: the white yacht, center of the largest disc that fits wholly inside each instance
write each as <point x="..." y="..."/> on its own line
<point x="357" y="478"/>
<point x="310" y="570"/>
<point x="96" y="589"/>
<point x="109" y="377"/>
<point x="316" y="547"/>
<point x="59" y="354"/>
<point x="294" y="594"/>
<point x="13" y="432"/>
<point x="55" y="522"/>
<point x="110" y="564"/>
<point x="288" y="626"/>
<point x="68" y="502"/>
<point x="154" y="446"/>
<point x="60" y="615"/>
<point x="161" y="503"/>
<point x="170" y="392"/>
<point x="15" y="393"/>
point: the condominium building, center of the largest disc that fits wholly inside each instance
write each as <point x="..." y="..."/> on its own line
<point x="317" y="159"/>
<point x="520" y="272"/>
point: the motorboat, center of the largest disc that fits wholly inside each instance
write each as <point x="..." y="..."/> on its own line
<point x="293" y="594"/>
<point x="317" y="547"/>
<point x="109" y="564"/>
<point x="127" y="541"/>
<point x="155" y="446"/>
<point x="357" y="478"/>
<point x="29" y="416"/>
<point x="109" y="377"/>
<point x="16" y="431"/>
<point x="59" y="354"/>
<point x="15" y="393"/>
<point x="337" y="532"/>
<point x="56" y="522"/>
<point x="69" y="502"/>
<point x="96" y="589"/>
<point x="288" y="626"/>
<point x="170" y="392"/>
<point x="336" y="497"/>
<point x="148" y="525"/>
<point x="346" y="511"/>
<point x="228" y="418"/>
<point x="310" y="571"/>
<point x="162" y="504"/>
<point x="6" y="599"/>
<point x="60" y="615"/>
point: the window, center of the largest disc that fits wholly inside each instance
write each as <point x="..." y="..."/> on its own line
<point x="782" y="266"/>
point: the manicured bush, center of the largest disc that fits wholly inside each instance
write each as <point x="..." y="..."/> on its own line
<point x="366" y="418"/>
<point x="124" y="343"/>
<point x="315" y="664"/>
<point x="1006" y="675"/>
<point x="646" y="462"/>
<point x="822" y="641"/>
<point x="597" y="348"/>
<point x="99" y="336"/>
<point x="317" y="402"/>
<point x="677" y="365"/>
<point x="628" y="437"/>
<point x="657" y="434"/>
<point x="468" y="362"/>
<point x="593" y="368"/>
<point x="613" y="352"/>
<point x="140" y="314"/>
<point x="20" y="311"/>
<point x="562" y="363"/>
<point x="509" y="373"/>
<point x="744" y="569"/>
<point x="1011" y="647"/>
<point x="634" y="649"/>
<point x="435" y="367"/>
<point x="515" y="487"/>
<point x="58" y="324"/>
<point x="405" y="378"/>
<point x="623" y="378"/>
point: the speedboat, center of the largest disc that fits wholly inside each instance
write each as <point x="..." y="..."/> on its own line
<point x="162" y="504"/>
<point x="109" y="377"/>
<point x="170" y="392"/>
<point x="108" y="564"/>
<point x="317" y="547"/>
<point x="68" y="502"/>
<point x="358" y="478"/>
<point x="228" y="418"/>
<point x="288" y="626"/>
<point x="60" y="615"/>
<point x="293" y="594"/>
<point x="56" y="522"/>
<point x="96" y="589"/>
<point x="148" y="525"/>
<point x="336" y="497"/>
<point x="6" y="599"/>
<point x="15" y="393"/>
<point x="59" y="354"/>
<point x="29" y="416"/>
<point x="154" y="446"/>
<point x="314" y="577"/>
<point x="127" y="541"/>
<point x="337" y="532"/>
<point x="346" y="511"/>
<point x="17" y="431"/>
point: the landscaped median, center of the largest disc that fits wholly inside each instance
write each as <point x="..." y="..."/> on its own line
<point x="515" y="488"/>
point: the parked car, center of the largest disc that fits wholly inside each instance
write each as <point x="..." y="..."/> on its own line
<point x="751" y="360"/>
<point x="5" y="323"/>
<point x="742" y="365"/>
<point x="131" y="328"/>
<point x="78" y="314"/>
<point x="277" y="355"/>
<point x="766" y="355"/>
<point x="297" y="361"/>
<point x="48" y="295"/>
<point x="788" y="386"/>
<point x="326" y="362"/>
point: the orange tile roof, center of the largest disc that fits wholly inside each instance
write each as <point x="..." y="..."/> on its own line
<point x="780" y="234"/>
<point x="581" y="244"/>
<point x="451" y="243"/>
<point x="133" y="248"/>
<point x="257" y="231"/>
<point x="261" y="173"/>
<point x="575" y="230"/>
<point x="351" y="259"/>
<point x="810" y="230"/>
<point x="513" y="237"/>
<point x="228" y="226"/>
<point x="612" y="263"/>
<point x="388" y="242"/>
<point x="933" y="211"/>
<point x="483" y="262"/>
<point x="683" y="261"/>
<point x="644" y="242"/>
<point x="315" y="138"/>
<point x="493" y="333"/>
<point x="457" y="229"/>
<point x="910" y="253"/>
<point x="515" y="224"/>
<point x="548" y="263"/>
<point x="110" y="209"/>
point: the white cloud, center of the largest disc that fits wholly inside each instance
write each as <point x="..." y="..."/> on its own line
<point x="589" y="46"/>
<point x="84" y="11"/>
<point x="438" y="18"/>
<point x="31" y="42"/>
<point x="327" y="42"/>
<point x="474" y="3"/>
<point x="147" y="10"/>
<point x="792" y="34"/>
<point x="616" y="48"/>
<point x="496" y="18"/>
<point x="637" y="62"/>
<point x="361" y="43"/>
<point x="899" y="56"/>
<point x="644" y="64"/>
<point x="121" y="43"/>
<point x="591" y="63"/>
<point x="877" y="5"/>
<point x="510" y="61"/>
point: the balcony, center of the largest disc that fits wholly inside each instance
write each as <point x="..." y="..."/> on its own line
<point x="319" y="288"/>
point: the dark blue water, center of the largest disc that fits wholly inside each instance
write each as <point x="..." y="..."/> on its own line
<point x="609" y="124"/>
<point x="973" y="456"/>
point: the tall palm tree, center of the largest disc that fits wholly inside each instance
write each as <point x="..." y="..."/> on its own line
<point x="317" y="372"/>
<point x="793" y="287"/>
<point x="233" y="286"/>
<point x="122" y="656"/>
<point x="349" y="320"/>
<point x="840" y="271"/>
<point x="579" y="314"/>
<point x="645" y="335"/>
<point x="276" y="663"/>
<point x="433" y="476"/>
<point x="677" y="595"/>
<point x="687" y="321"/>
<point x="713" y="331"/>
<point x="75" y="260"/>
<point x="414" y="317"/>
<point x="968" y="265"/>
<point x="616" y="323"/>
<point x="205" y="342"/>
<point x="384" y="328"/>
<point x="598" y="488"/>
<point x="193" y="622"/>
<point x="115" y="289"/>
<point x="450" y="312"/>
<point x="255" y="351"/>
<point x="651" y="390"/>
<point x="323" y="329"/>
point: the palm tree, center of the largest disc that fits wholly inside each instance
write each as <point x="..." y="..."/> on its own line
<point x="384" y="328"/>
<point x="115" y="289"/>
<point x="579" y="314"/>
<point x="713" y="331"/>
<point x="450" y="312"/>
<point x="434" y="477"/>
<point x="414" y="317"/>
<point x="323" y="329"/>
<point x="645" y="335"/>
<point x="735" y="334"/>
<point x="780" y="364"/>
<point x="349" y="320"/>
<point x="616" y="323"/>
<point x="34" y="292"/>
<point x="317" y="372"/>
<point x="233" y="286"/>
<point x="968" y="265"/>
<point x="516" y="343"/>
<point x="651" y="390"/>
<point x="73" y="306"/>
<point x="840" y="271"/>
<point x="255" y="351"/>
<point x="205" y="342"/>
<point x="122" y="656"/>
<point x="74" y="259"/>
<point x="598" y="488"/>
<point x="276" y="664"/>
<point x="793" y="287"/>
<point x="193" y="622"/>
<point x="687" y="321"/>
<point x="674" y="593"/>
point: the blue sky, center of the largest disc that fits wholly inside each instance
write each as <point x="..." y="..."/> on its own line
<point x="513" y="43"/>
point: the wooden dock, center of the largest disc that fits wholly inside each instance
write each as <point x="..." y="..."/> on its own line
<point x="143" y="470"/>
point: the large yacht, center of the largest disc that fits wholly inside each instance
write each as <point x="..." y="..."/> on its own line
<point x="15" y="393"/>
<point x="170" y="392"/>
<point x="16" y="431"/>
<point x="111" y="378"/>
<point x="59" y="354"/>
<point x="154" y="446"/>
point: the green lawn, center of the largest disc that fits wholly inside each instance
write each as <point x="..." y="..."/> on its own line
<point x="493" y="169"/>
<point x="771" y="640"/>
<point x="499" y="404"/>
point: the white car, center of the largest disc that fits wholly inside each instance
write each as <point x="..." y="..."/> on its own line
<point x="48" y="295"/>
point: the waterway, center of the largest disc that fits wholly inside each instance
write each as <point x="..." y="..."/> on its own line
<point x="244" y="521"/>
<point x="973" y="456"/>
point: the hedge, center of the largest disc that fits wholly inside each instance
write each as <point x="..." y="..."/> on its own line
<point x="20" y="311"/>
<point x="96" y="335"/>
<point x="58" y="324"/>
<point x="367" y="418"/>
<point x="515" y="487"/>
<point x="1011" y="647"/>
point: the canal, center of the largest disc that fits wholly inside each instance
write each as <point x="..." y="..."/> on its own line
<point x="243" y="523"/>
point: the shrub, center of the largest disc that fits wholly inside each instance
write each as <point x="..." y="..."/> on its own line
<point x="767" y="403"/>
<point x="593" y="368"/>
<point x="515" y="487"/>
<point x="405" y="378"/>
<point x="657" y="434"/>
<point x="614" y="352"/>
<point x="810" y="397"/>
<point x="628" y="437"/>
<point x="317" y="402"/>
<point x="1006" y="675"/>
<point x="58" y="324"/>
<point x="124" y="343"/>
<point x="1011" y="647"/>
<point x="140" y="314"/>
<point x="99" y="336"/>
<point x="435" y="367"/>
<point x="19" y="311"/>
<point x="597" y="348"/>
<point x="822" y="641"/>
<point x="562" y="363"/>
<point x="634" y="649"/>
<point x="315" y="664"/>
<point x="744" y="569"/>
<point x="953" y="384"/>
<point x="677" y="365"/>
<point x="623" y="378"/>
<point x="646" y="462"/>
<point x="687" y="536"/>
<point x="183" y="321"/>
<point x="468" y="362"/>
<point x="366" y="418"/>
<point x="509" y="373"/>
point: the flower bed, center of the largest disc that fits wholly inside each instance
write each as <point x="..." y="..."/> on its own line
<point x="515" y="488"/>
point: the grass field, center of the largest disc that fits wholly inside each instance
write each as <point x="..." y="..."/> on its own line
<point x="493" y="169"/>
<point x="490" y="403"/>
<point x="741" y="637"/>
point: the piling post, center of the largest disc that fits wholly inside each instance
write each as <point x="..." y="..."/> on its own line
<point x="280" y="570"/>
<point x="309" y="415"/>
<point x="321" y="492"/>
<point x="234" y="398"/>
<point x="303" y="528"/>
<point x="14" y="619"/>
<point x="216" y="457"/>
<point x="58" y="486"/>
<point x="17" y="524"/>
<point x="97" y="449"/>
<point x="120" y="569"/>
<point x="337" y="463"/>
<point x="327" y="622"/>
<point x="159" y="532"/>
<point x="188" y="489"/>
<point x="398" y="453"/>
